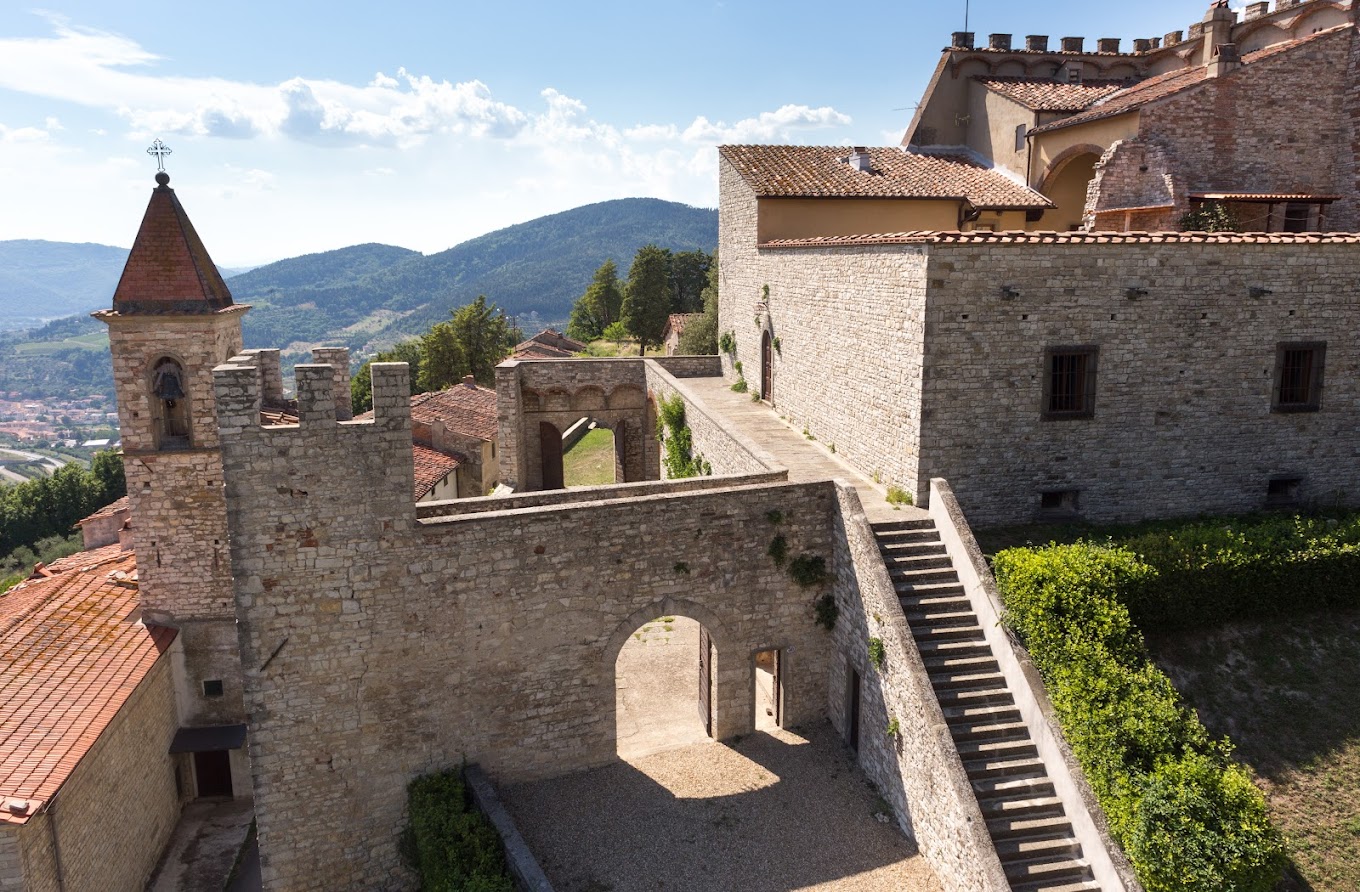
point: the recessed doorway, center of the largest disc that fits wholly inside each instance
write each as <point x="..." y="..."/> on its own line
<point x="769" y="690"/>
<point x="664" y="692"/>
<point x="212" y="773"/>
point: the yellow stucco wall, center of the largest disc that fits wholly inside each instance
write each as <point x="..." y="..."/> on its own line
<point x="1103" y="133"/>
<point x="808" y="217"/>
<point x="991" y="129"/>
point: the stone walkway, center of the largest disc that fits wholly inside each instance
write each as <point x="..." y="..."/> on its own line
<point x="770" y="813"/>
<point x="805" y="459"/>
<point x="204" y="846"/>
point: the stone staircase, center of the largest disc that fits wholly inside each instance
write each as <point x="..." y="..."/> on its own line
<point x="1026" y="820"/>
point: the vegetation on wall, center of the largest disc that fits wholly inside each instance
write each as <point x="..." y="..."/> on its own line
<point x="1212" y="216"/>
<point x="728" y="343"/>
<point x="452" y="847"/>
<point x="1187" y="815"/>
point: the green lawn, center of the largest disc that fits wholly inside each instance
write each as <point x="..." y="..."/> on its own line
<point x="591" y="461"/>
<point x="1288" y="693"/>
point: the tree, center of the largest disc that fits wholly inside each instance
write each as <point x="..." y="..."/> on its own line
<point x="616" y="333"/>
<point x="443" y="361"/>
<point x="700" y="336"/>
<point x="647" y="301"/>
<point x="598" y="306"/>
<point x="361" y="385"/>
<point x="689" y="276"/>
<point x="473" y="341"/>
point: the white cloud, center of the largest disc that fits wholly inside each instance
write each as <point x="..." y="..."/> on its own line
<point x="775" y="126"/>
<point x="22" y="135"/>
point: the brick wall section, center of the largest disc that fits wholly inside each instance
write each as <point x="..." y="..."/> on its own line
<point x="850" y="324"/>
<point x="378" y="647"/>
<point x="11" y="863"/>
<point x="1136" y="173"/>
<point x="918" y="772"/>
<point x="114" y="815"/>
<point x="1182" y="421"/>
<point x="728" y="451"/>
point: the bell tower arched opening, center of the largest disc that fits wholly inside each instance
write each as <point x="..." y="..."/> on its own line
<point x="170" y="406"/>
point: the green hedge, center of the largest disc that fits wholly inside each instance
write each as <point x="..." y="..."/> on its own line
<point x="1210" y="571"/>
<point x="452" y="846"/>
<point x="1188" y="817"/>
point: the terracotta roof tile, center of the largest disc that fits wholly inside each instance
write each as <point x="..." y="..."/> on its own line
<point x="896" y="172"/>
<point x="535" y="350"/>
<point x="676" y="322"/>
<point x="463" y="408"/>
<point x="84" y="560"/>
<point x="168" y="270"/>
<point x="1173" y="82"/>
<point x="1047" y="94"/>
<point x="432" y="466"/>
<point x="1069" y="238"/>
<point x="70" y="657"/>
<point x="108" y="510"/>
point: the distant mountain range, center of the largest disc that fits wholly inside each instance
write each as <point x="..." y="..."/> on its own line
<point x="365" y="297"/>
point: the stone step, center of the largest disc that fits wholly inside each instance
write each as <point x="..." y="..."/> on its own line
<point x="910" y="549"/>
<point x="946" y="665"/>
<point x="928" y="589"/>
<point x="894" y="526"/>
<point x="993" y="768"/>
<point x="974" y="697"/>
<point x="993" y="712"/>
<point x="1008" y="829"/>
<point x="1087" y="885"/>
<point x="954" y="648"/>
<point x="965" y="730"/>
<point x="1058" y="868"/>
<point x="939" y="563"/>
<point x="927" y="630"/>
<point x="1009" y="786"/>
<point x="901" y="537"/>
<point x="1063" y="846"/>
<point x="913" y="575"/>
<point x="942" y="617"/>
<point x="1021" y="806"/>
<point x="946" y="603"/>
<point x="974" y="751"/>
<point x="977" y="673"/>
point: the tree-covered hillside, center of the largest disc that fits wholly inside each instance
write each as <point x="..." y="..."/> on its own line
<point x="42" y="280"/>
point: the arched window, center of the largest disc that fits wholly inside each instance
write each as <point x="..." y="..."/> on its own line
<point x="170" y="405"/>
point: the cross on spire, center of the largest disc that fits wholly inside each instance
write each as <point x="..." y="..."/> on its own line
<point x="160" y="150"/>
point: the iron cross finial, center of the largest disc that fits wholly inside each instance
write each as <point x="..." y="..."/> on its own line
<point x="160" y="150"/>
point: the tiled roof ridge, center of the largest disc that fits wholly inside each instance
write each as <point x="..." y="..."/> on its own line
<point x="31" y="587"/>
<point x="1049" y="237"/>
<point x="1050" y="93"/>
<point x="108" y="510"/>
<point x="1194" y="76"/>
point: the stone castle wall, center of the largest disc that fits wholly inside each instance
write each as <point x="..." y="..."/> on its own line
<point x="378" y="646"/>
<point x="1184" y="382"/>
<point x="114" y="815"/>
<point x="849" y="323"/>
<point x="727" y="451"/>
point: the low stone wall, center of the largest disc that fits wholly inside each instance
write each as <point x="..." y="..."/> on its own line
<point x="587" y="494"/>
<point x="918" y="771"/>
<point x="690" y="366"/>
<point x="524" y="867"/>
<point x="727" y="450"/>
<point x="1107" y="860"/>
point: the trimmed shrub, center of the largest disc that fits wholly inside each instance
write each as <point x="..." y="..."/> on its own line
<point x="1188" y="817"/>
<point x="454" y="848"/>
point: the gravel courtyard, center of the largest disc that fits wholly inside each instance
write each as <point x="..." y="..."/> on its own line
<point x="772" y="813"/>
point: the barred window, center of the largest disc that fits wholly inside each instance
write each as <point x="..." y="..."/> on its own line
<point x="1298" y="377"/>
<point x="1069" y="382"/>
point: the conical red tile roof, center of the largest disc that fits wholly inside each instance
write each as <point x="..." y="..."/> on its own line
<point x="169" y="271"/>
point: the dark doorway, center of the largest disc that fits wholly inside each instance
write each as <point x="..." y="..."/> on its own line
<point x="706" y="680"/>
<point x="213" y="771"/>
<point x="769" y="690"/>
<point x="854" y="710"/>
<point x="767" y="368"/>
<point x="550" y="451"/>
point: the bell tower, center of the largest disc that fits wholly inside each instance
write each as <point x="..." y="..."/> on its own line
<point x="172" y="320"/>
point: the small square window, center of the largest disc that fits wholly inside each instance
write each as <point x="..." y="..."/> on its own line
<point x="1298" y="377"/>
<point x="1283" y="491"/>
<point x="1069" y="382"/>
<point x="1021" y="130"/>
<point x="1056" y="502"/>
<point x="212" y="687"/>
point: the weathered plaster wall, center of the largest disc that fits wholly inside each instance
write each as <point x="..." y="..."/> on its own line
<point x="378" y="646"/>
<point x="11" y="859"/>
<point x="807" y="217"/>
<point x="849" y="323"/>
<point x="1183" y="421"/>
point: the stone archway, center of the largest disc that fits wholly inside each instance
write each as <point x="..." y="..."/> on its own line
<point x="1066" y="183"/>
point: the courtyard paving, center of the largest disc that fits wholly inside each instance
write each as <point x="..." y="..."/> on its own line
<point x="772" y="812"/>
<point x="806" y="460"/>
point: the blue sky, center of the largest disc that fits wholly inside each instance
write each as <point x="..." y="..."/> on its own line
<point x="306" y="126"/>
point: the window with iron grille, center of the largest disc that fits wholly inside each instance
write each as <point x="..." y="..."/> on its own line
<point x="1298" y="377"/>
<point x="1069" y="382"/>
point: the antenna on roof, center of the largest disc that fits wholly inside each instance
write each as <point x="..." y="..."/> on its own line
<point x="966" y="10"/>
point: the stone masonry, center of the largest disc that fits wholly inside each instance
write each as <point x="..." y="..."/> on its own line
<point x="377" y="646"/>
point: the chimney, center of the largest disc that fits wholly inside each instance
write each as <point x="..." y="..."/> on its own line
<point x="1256" y="10"/>
<point x="859" y="159"/>
<point x="1107" y="45"/>
<point x="1074" y="44"/>
<point x="125" y="537"/>
<point x="1156" y="43"/>
<point x="469" y="381"/>
<point x="962" y="40"/>
<point x="1037" y="43"/>
<point x="1142" y="45"/>
<point x="1217" y="28"/>
<point x="999" y="41"/>
<point x="1226" y="59"/>
<point x="1174" y="38"/>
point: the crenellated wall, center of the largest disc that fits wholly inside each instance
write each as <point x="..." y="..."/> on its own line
<point x="378" y="646"/>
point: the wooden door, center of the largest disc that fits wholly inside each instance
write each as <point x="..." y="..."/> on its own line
<point x="706" y="681"/>
<point x="213" y="772"/>
<point x="550" y="454"/>
<point x="778" y="688"/>
<point x="766" y="368"/>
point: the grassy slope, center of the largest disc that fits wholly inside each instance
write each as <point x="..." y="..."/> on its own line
<point x="591" y="461"/>
<point x="1288" y="693"/>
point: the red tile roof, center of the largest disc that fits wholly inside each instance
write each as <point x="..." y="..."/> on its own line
<point x="432" y="466"/>
<point x="71" y="654"/>
<point x="108" y="510"/>
<point x="676" y="322"/>
<point x="463" y="408"/>
<point x="896" y="172"/>
<point x="1047" y="94"/>
<point x="1069" y="238"/>
<point x="168" y="270"/>
<point x="548" y="344"/>
<point x="83" y="560"/>
<point x="1173" y="82"/>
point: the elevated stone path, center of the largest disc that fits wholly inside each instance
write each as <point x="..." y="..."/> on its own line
<point x="806" y="460"/>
